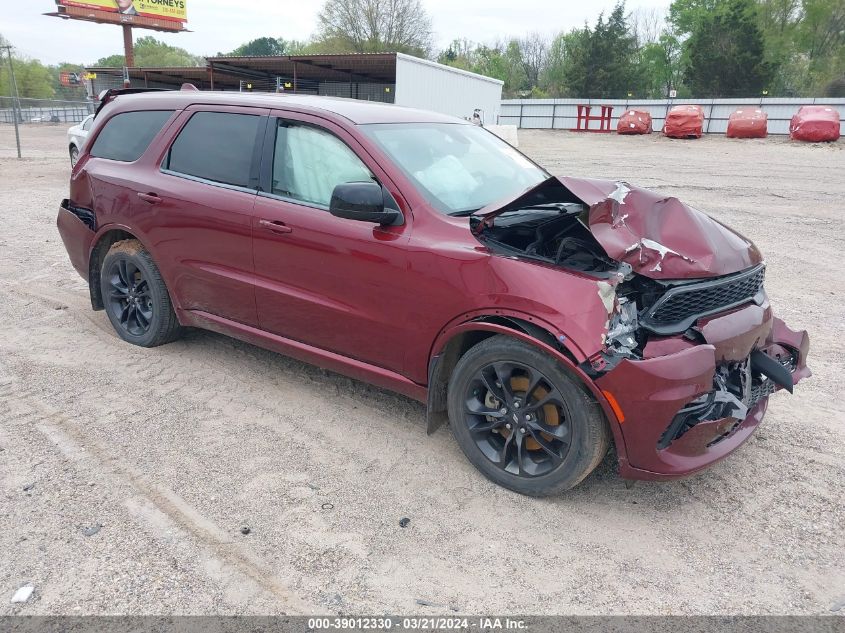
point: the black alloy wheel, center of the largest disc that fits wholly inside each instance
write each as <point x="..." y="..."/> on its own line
<point x="523" y="419"/>
<point x="517" y="418"/>
<point x="135" y="296"/>
<point x="130" y="300"/>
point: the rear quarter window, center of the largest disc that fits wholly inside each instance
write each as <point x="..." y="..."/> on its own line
<point x="128" y="135"/>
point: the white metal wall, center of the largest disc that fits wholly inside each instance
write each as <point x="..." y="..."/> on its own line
<point x="563" y="113"/>
<point x="431" y="86"/>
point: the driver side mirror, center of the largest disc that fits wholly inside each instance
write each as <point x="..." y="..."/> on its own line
<point x="365" y="202"/>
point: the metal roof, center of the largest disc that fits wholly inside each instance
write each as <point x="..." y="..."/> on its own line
<point x="353" y="110"/>
<point x="375" y="67"/>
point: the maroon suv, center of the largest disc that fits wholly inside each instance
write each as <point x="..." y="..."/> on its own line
<point x="542" y="316"/>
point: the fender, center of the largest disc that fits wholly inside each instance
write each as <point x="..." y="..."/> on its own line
<point x="475" y="316"/>
<point x="435" y="414"/>
<point x="95" y="242"/>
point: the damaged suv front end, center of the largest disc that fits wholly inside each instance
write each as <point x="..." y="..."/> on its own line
<point x="690" y="350"/>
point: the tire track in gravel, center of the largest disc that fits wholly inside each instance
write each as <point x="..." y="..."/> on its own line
<point x="225" y="556"/>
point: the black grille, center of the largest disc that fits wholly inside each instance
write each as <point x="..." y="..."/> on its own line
<point x="682" y="305"/>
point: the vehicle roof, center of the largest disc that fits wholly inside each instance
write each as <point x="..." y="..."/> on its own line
<point x="353" y="110"/>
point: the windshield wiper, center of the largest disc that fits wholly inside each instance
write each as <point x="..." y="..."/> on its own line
<point x="462" y="213"/>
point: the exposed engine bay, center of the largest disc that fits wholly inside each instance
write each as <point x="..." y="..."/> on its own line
<point x="555" y="233"/>
<point x="553" y="225"/>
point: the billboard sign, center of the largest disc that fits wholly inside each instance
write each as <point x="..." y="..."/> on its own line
<point x="173" y="10"/>
<point x="67" y="78"/>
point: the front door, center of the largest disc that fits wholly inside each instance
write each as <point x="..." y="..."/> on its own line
<point x="334" y="283"/>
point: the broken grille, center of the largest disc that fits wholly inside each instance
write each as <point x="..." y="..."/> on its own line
<point x="681" y="306"/>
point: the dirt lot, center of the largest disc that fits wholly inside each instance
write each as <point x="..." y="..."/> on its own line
<point x="172" y="450"/>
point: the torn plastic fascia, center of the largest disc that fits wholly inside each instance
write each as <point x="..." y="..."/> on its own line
<point x="621" y="325"/>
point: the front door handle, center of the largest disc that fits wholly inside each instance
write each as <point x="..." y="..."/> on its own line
<point x="150" y="197"/>
<point x="276" y="226"/>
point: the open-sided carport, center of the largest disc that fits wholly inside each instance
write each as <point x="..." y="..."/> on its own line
<point x="386" y="77"/>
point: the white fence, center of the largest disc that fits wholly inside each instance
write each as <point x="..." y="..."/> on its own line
<point x="562" y="114"/>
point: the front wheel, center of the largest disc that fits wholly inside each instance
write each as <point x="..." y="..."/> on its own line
<point x="74" y="155"/>
<point x="522" y="420"/>
<point x="135" y="297"/>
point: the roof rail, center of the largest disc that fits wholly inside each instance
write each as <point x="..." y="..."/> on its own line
<point x="106" y="96"/>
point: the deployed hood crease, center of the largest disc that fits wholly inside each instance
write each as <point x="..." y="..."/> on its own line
<point x="658" y="235"/>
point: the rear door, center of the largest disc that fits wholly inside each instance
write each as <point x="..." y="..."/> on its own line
<point x="334" y="283"/>
<point x="203" y="194"/>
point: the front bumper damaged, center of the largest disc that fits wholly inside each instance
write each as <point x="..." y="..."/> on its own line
<point x="691" y="407"/>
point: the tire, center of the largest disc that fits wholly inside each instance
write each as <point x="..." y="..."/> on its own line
<point x="74" y="155"/>
<point x="140" y="311"/>
<point x="557" y="434"/>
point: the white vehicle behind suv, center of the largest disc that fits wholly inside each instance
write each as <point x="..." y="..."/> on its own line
<point x="76" y="136"/>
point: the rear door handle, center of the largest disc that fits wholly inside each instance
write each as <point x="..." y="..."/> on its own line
<point x="276" y="226"/>
<point x="150" y="197"/>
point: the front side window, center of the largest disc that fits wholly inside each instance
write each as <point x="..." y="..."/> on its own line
<point x="128" y="135"/>
<point x="459" y="168"/>
<point x="86" y="124"/>
<point x="215" y="146"/>
<point x="309" y="162"/>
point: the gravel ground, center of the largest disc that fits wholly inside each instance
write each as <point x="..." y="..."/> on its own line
<point x="170" y="451"/>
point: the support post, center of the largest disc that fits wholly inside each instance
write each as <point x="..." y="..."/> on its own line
<point x="128" y="46"/>
<point x="15" y="101"/>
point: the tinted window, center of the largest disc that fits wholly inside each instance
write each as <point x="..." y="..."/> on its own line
<point x="309" y="162"/>
<point x="126" y="136"/>
<point x="216" y="146"/>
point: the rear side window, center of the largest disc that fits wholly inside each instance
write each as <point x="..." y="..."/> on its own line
<point x="126" y="136"/>
<point x="216" y="146"/>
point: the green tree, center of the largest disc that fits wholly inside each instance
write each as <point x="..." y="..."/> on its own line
<point x="726" y="53"/>
<point x="686" y="15"/>
<point x="660" y="66"/>
<point x="152" y="52"/>
<point x="34" y="79"/>
<point x="372" y="26"/>
<point x="603" y="61"/>
<point x="68" y="93"/>
<point x="500" y="60"/>
<point x="264" y="46"/>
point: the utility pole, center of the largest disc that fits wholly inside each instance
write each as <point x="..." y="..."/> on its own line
<point x="15" y="104"/>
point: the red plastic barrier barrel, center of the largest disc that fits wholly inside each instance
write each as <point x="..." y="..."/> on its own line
<point x="684" y="121"/>
<point x="815" y="123"/>
<point x="634" y="122"/>
<point x="748" y="123"/>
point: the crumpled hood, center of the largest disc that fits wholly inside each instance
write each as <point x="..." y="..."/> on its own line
<point x="659" y="236"/>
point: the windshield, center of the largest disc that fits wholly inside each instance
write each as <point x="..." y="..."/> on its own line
<point x="459" y="168"/>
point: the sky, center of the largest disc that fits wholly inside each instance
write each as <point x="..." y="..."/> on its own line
<point x="222" y="25"/>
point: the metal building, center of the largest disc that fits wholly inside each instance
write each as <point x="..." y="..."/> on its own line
<point x="387" y="77"/>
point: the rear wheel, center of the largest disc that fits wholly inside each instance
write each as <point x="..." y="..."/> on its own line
<point x="135" y="297"/>
<point x="522" y="420"/>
